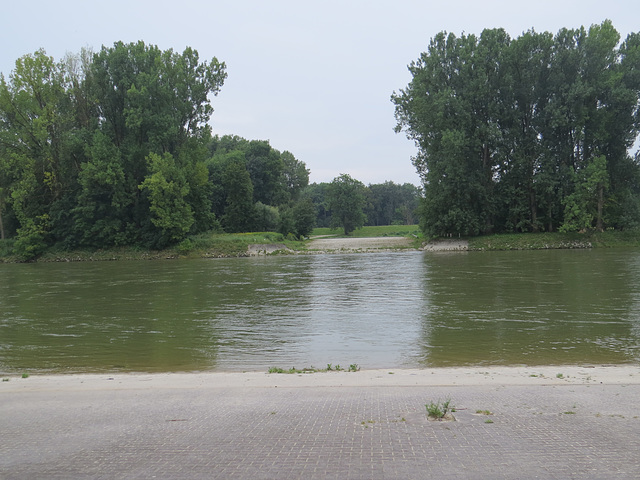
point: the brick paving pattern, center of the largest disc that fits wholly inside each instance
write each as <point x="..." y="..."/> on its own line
<point x="573" y="431"/>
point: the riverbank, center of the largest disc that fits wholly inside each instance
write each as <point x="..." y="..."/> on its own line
<point x="454" y="376"/>
<point x="366" y="240"/>
<point x="515" y="422"/>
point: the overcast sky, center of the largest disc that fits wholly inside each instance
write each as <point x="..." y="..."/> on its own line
<point x="313" y="78"/>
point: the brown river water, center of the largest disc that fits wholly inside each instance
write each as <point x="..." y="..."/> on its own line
<point x="383" y="310"/>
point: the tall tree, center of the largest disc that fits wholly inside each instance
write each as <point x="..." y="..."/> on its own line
<point x="34" y="124"/>
<point x="239" y="211"/>
<point x="506" y="129"/>
<point x="346" y="200"/>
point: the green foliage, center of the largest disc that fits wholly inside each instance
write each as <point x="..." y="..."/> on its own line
<point x="584" y="207"/>
<point x="380" y="231"/>
<point x="31" y="240"/>
<point x="185" y="246"/>
<point x="167" y="187"/>
<point x="346" y="200"/>
<point x="267" y="218"/>
<point x="439" y="410"/>
<point x="390" y="203"/>
<point x="238" y="212"/>
<point x="525" y="134"/>
<point x="75" y="137"/>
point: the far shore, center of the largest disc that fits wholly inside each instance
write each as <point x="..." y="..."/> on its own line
<point x="389" y="238"/>
<point x="491" y="376"/>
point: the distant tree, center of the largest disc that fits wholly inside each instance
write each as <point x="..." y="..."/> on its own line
<point x="299" y="219"/>
<point x="317" y="192"/>
<point x="390" y="203"/>
<point x="296" y="175"/>
<point x="239" y="210"/>
<point x="266" y="218"/>
<point x="277" y="178"/>
<point x="346" y="200"/>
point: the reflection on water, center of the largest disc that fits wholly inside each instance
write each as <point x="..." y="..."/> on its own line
<point x="547" y="307"/>
<point x="391" y="310"/>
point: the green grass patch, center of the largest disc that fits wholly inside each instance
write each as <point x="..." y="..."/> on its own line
<point x="373" y="231"/>
<point x="354" y="367"/>
<point x="547" y="241"/>
<point x="205" y="245"/>
<point x="484" y="412"/>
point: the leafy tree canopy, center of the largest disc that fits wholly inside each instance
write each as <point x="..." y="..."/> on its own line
<point x="346" y="200"/>
<point x="513" y="134"/>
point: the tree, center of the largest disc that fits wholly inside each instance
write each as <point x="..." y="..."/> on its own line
<point x="153" y="102"/>
<point x="392" y="203"/>
<point x="346" y="200"/>
<point x="167" y="189"/>
<point x="586" y="204"/>
<point x="239" y="211"/>
<point x="506" y="128"/>
<point x="33" y="124"/>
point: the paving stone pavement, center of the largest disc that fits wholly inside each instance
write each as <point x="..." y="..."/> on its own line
<point x="548" y="432"/>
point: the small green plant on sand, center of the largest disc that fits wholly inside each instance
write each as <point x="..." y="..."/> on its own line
<point x="559" y="375"/>
<point x="25" y="375"/>
<point x="484" y="412"/>
<point x="354" y="367"/>
<point x="440" y="410"/>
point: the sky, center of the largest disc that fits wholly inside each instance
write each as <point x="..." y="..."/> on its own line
<point x="313" y="78"/>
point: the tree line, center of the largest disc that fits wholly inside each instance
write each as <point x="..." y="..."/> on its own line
<point x="526" y="134"/>
<point x="113" y="148"/>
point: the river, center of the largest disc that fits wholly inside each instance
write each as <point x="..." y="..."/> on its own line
<point x="383" y="310"/>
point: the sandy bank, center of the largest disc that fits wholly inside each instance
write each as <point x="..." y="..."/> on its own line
<point x="463" y="376"/>
<point x="357" y="244"/>
<point x="446" y="245"/>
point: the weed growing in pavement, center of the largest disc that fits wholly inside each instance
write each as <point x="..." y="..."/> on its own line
<point x="488" y="420"/>
<point x="440" y="410"/>
<point x="484" y="412"/>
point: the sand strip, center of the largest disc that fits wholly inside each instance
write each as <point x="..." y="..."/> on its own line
<point x="460" y="376"/>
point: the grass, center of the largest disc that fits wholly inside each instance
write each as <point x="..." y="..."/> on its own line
<point x="354" y="367"/>
<point x="205" y="245"/>
<point x="439" y="410"/>
<point x="373" y="231"/>
<point x="546" y="240"/>
<point x="222" y="245"/>
<point x="484" y="412"/>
